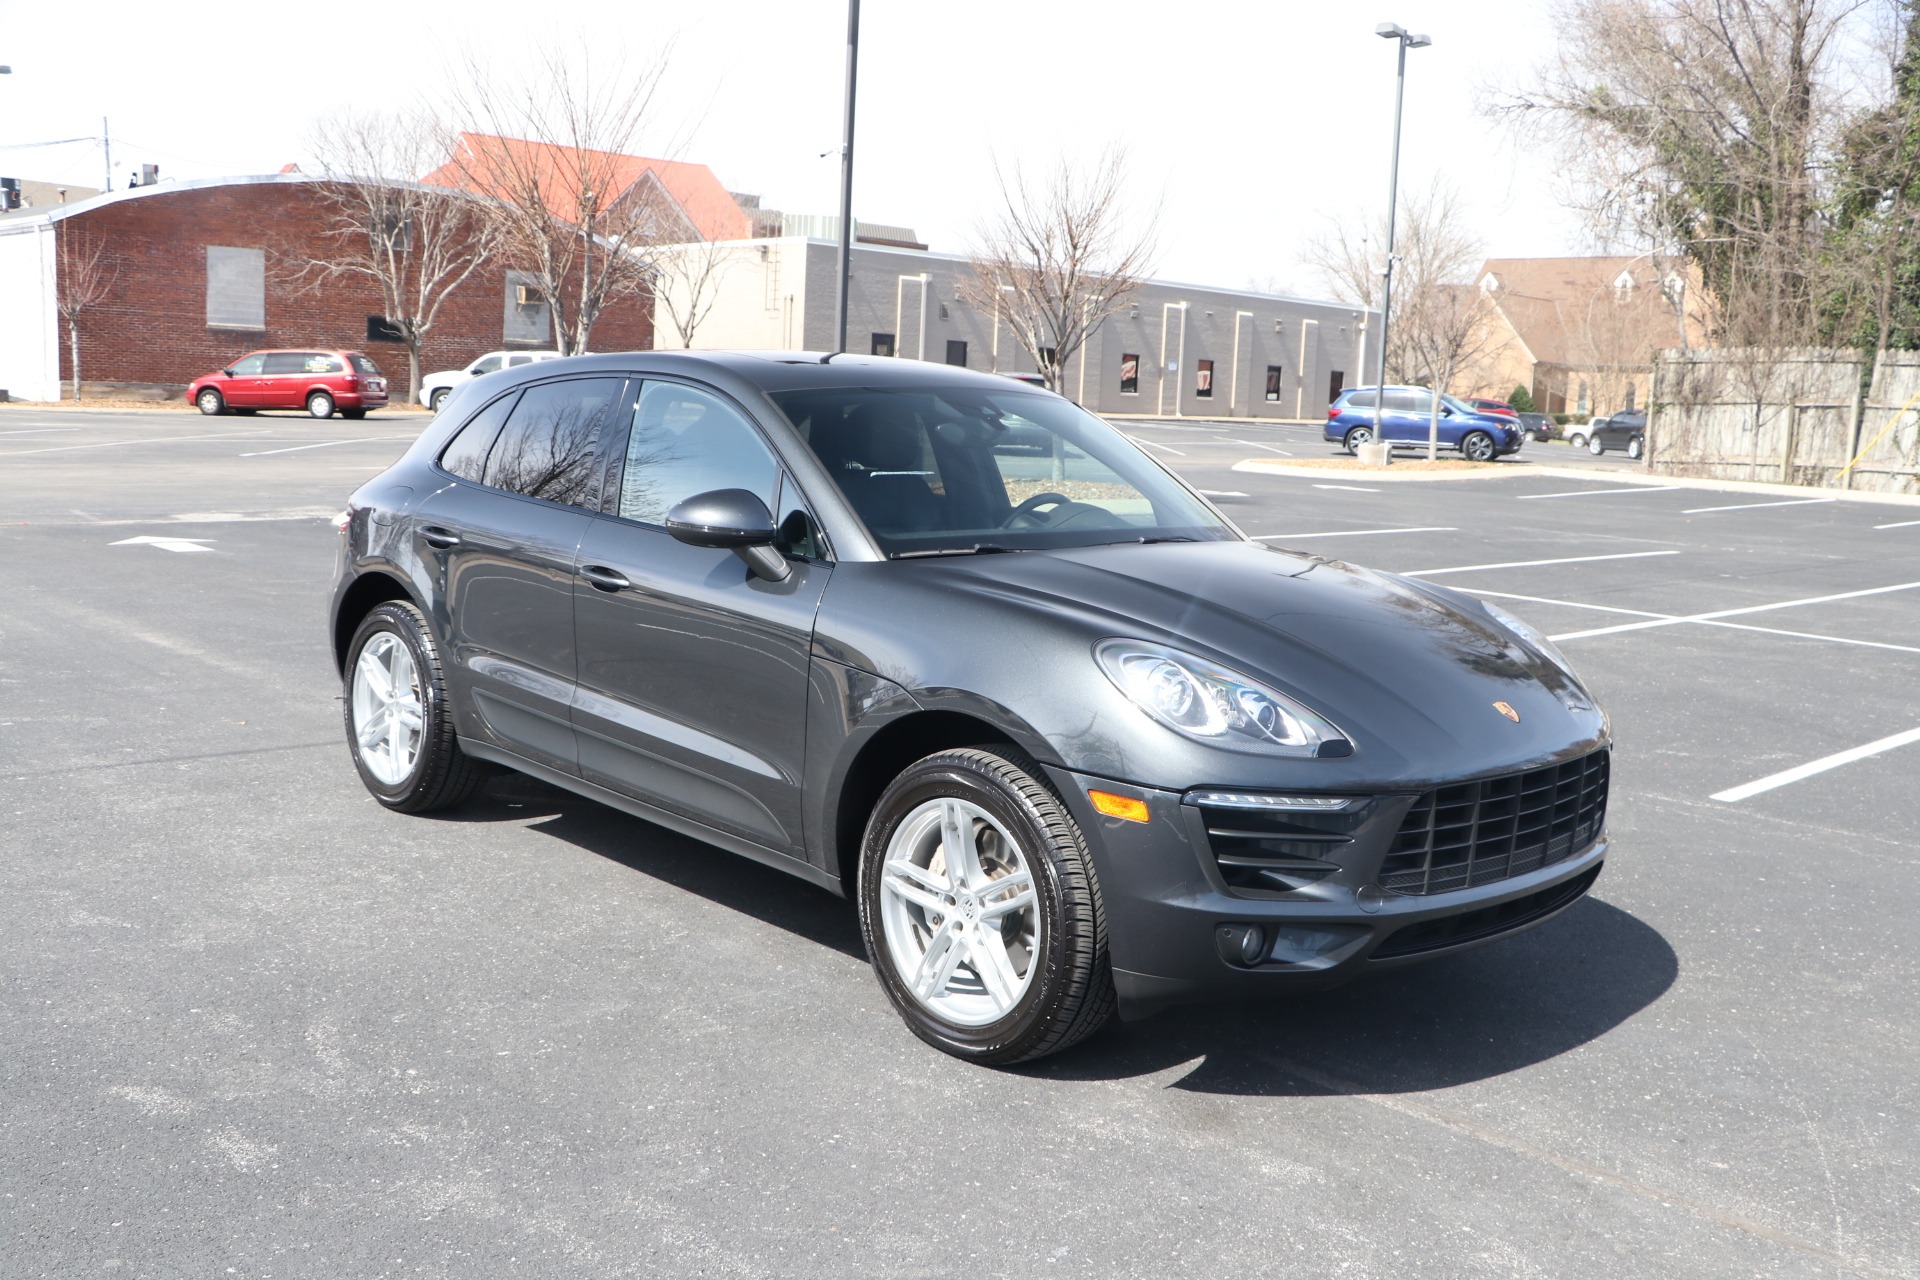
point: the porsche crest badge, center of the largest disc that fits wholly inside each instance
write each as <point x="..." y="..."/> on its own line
<point x="1507" y="711"/>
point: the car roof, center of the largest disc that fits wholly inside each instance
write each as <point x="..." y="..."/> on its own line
<point x="777" y="371"/>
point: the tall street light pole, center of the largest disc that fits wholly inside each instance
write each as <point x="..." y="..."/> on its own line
<point x="1395" y="32"/>
<point x="846" y="182"/>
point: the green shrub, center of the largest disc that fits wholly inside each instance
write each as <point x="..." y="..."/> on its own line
<point x="1521" y="400"/>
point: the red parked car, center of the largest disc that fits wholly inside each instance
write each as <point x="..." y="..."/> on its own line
<point x="318" y="381"/>
<point x="1500" y="407"/>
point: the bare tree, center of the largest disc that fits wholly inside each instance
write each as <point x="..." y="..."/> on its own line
<point x="86" y="277"/>
<point x="551" y="143"/>
<point x="1061" y="257"/>
<point x="1435" y="330"/>
<point x="686" y="284"/>
<point x="415" y="243"/>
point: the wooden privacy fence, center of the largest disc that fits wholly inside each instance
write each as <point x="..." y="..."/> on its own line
<point x="1831" y="418"/>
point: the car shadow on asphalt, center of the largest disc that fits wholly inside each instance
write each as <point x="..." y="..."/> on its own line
<point x="727" y="879"/>
<point x="1457" y="1019"/>
<point x="1451" y="1021"/>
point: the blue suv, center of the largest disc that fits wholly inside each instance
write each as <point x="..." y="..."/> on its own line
<point x="1404" y="419"/>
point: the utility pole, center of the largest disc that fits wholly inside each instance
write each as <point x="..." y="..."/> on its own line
<point x="1391" y="31"/>
<point x="846" y="182"/>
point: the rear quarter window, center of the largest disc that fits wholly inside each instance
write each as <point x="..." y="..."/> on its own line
<point x="363" y="365"/>
<point x="466" y="454"/>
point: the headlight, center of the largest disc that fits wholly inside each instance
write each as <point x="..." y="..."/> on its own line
<point x="1209" y="703"/>
<point x="1534" y="637"/>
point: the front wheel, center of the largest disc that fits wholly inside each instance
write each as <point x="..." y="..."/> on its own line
<point x="399" y="723"/>
<point x="980" y="910"/>
<point x="320" y="405"/>
<point x="210" y="402"/>
<point x="1478" y="446"/>
<point x="438" y="398"/>
<point x="1596" y="446"/>
<point x="1357" y="437"/>
<point x="1636" y="447"/>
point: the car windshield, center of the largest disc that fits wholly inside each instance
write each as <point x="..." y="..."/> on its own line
<point x="955" y="470"/>
<point x="1457" y="406"/>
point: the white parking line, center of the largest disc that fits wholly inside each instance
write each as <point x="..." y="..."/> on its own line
<point x="1601" y="493"/>
<point x="1707" y="622"/>
<point x="1220" y="493"/>
<point x="1349" y="533"/>
<point x="1898" y="524"/>
<point x="1350" y="488"/>
<point x="327" y="444"/>
<point x="1161" y="447"/>
<point x="1527" y="564"/>
<point x="1255" y="444"/>
<point x="1749" y="506"/>
<point x="39" y="431"/>
<point x="1731" y="613"/>
<point x="112" y="444"/>
<point x="1734" y="794"/>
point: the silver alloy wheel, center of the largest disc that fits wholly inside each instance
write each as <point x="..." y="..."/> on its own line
<point x="959" y="912"/>
<point x="1479" y="447"/>
<point x="1596" y="446"/>
<point x="1635" y="448"/>
<point x="387" y="714"/>
<point x="1359" y="436"/>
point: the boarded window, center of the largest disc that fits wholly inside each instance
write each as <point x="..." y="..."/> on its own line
<point x="1129" y="375"/>
<point x="1273" y="382"/>
<point x="527" y="316"/>
<point x="956" y="352"/>
<point x="236" y="288"/>
<point x="381" y="329"/>
<point x="1203" y="379"/>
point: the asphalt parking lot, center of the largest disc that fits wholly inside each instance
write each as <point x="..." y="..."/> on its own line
<point x="252" y="1024"/>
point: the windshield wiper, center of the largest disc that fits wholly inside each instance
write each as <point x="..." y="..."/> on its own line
<point x="978" y="548"/>
<point x="1165" y="537"/>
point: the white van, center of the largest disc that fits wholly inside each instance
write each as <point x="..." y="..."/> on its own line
<point x="435" y="387"/>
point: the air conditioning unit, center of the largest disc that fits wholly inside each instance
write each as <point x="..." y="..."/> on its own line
<point x="528" y="295"/>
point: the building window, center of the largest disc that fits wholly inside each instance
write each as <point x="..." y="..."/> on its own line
<point x="1273" y="382"/>
<point x="1129" y="375"/>
<point x="381" y="329"/>
<point x="883" y="344"/>
<point x="1336" y="383"/>
<point x="1581" y="402"/>
<point x="236" y="288"/>
<point x="1203" y="379"/>
<point x="526" y="317"/>
<point x="956" y="353"/>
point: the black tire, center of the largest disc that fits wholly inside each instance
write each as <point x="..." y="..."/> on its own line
<point x="1636" y="447"/>
<point x="1357" y="437"/>
<point x="353" y="415"/>
<point x="442" y="774"/>
<point x="438" y="398"/>
<point x="1479" y="447"/>
<point x="210" y="402"/>
<point x="320" y="405"/>
<point x="1070" y="994"/>
<point x="1596" y="446"/>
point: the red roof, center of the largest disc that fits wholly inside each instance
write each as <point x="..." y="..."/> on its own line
<point x="563" y="171"/>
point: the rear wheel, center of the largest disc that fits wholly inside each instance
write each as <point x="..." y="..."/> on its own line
<point x="980" y="909"/>
<point x="1357" y="437"/>
<point x="210" y="402"/>
<point x="320" y="405"/>
<point x="1596" y="446"/>
<point x="399" y="723"/>
<point x="1478" y="446"/>
<point x="1577" y="440"/>
<point x="353" y="415"/>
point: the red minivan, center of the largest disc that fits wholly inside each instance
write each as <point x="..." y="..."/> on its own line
<point x="318" y="381"/>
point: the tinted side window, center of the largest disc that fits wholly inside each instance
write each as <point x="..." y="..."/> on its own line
<point x="548" y="449"/>
<point x="1406" y="402"/>
<point x="250" y="365"/>
<point x="286" y="361"/>
<point x="687" y="442"/>
<point x="363" y="364"/>
<point x="466" y="454"/>
<point x="1362" y="399"/>
<point x="487" y="366"/>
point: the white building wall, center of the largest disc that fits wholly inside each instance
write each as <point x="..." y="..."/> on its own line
<point x="29" y="318"/>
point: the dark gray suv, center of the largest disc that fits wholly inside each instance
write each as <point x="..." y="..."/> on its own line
<point x="1069" y="738"/>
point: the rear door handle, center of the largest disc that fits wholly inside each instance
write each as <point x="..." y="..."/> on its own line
<point x="434" y="535"/>
<point x="603" y="579"/>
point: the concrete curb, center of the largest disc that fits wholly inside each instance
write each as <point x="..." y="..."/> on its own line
<point x="1508" y="470"/>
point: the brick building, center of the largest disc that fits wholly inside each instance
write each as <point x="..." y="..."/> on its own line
<point x="199" y="274"/>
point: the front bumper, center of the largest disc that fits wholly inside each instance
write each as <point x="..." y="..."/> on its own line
<point x="1177" y="932"/>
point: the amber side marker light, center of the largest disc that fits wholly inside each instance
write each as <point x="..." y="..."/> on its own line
<point x="1113" y="806"/>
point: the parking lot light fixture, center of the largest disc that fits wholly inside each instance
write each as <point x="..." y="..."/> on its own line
<point x="1397" y="33"/>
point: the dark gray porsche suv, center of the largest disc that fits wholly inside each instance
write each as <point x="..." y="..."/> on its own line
<point x="1070" y="739"/>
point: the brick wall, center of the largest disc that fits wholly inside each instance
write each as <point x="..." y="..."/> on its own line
<point x="152" y="329"/>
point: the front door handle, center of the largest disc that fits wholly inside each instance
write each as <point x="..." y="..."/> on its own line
<point x="435" y="536"/>
<point x="603" y="579"/>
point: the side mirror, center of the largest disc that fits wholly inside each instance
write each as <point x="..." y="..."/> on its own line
<point x="226" y="373"/>
<point x="735" y="520"/>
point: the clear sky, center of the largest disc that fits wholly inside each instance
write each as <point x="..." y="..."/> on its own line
<point x="1251" y="124"/>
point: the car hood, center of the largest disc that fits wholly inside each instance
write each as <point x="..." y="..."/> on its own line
<point x="1412" y="673"/>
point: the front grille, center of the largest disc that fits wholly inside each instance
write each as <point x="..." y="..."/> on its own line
<point x="1487" y="922"/>
<point x="1264" y="853"/>
<point x="1476" y="833"/>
